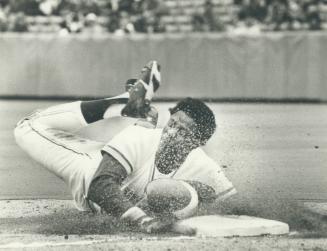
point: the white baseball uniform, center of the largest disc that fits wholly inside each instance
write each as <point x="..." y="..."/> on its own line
<point x="49" y="137"/>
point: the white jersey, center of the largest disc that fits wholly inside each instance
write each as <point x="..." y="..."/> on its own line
<point x="135" y="149"/>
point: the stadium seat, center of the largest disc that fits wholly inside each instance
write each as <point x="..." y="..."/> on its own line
<point x="102" y="20"/>
<point x="191" y="10"/>
<point x="172" y="28"/>
<point x="171" y="3"/>
<point x="44" y="24"/>
<point x="186" y="28"/>
<point x="167" y="19"/>
<point x="56" y="19"/>
<point x="182" y="19"/>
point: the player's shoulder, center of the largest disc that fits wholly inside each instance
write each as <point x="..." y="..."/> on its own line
<point x="136" y="132"/>
<point x="198" y="157"/>
<point x="142" y="129"/>
<point x="197" y="153"/>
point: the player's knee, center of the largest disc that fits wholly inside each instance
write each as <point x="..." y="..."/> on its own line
<point x="18" y="134"/>
<point x="20" y="130"/>
<point x="173" y="197"/>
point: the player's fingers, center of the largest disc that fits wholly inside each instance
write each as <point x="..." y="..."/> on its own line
<point x="158" y="226"/>
<point x="185" y="230"/>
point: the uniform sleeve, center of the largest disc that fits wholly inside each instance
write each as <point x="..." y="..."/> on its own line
<point x="224" y="188"/>
<point x="126" y="147"/>
<point x="201" y="168"/>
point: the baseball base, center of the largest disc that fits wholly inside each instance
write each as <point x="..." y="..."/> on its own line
<point x="231" y="225"/>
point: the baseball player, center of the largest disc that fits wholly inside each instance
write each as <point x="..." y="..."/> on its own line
<point x="113" y="175"/>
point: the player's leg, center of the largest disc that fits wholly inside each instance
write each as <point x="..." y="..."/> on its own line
<point x="137" y="100"/>
<point x="48" y="137"/>
<point x="137" y="106"/>
<point x="135" y="103"/>
<point x="58" y="124"/>
<point x="141" y="94"/>
<point x="61" y="153"/>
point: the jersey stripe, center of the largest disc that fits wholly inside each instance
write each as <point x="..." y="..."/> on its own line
<point x="53" y="140"/>
<point x="120" y="154"/>
<point x="227" y="193"/>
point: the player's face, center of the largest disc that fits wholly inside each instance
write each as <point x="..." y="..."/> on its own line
<point x="177" y="141"/>
<point x="137" y="106"/>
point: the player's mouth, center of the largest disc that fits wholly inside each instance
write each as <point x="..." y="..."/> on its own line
<point x="168" y="158"/>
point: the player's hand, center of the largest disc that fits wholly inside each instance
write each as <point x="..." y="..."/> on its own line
<point x="137" y="217"/>
<point x="182" y="229"/>
<point x="156" y="225"/>
<point x="164" y="224"/>
<point x="151" y="119"/>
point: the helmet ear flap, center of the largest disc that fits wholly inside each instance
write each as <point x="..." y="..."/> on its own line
<point x="169" y="196"/>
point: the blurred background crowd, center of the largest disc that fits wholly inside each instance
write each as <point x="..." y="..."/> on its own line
<point x="156" y="16"/>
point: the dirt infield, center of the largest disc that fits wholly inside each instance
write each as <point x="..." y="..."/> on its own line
<point x="57" y="225"/>
<point x="61" y="217"/>
<point x="164" y="243"/>
<point x="275" y="154"/>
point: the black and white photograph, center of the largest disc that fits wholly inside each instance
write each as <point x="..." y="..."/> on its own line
<point x="163" y="125"/>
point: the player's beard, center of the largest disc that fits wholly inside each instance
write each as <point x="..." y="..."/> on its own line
<point x="169" y="158"/>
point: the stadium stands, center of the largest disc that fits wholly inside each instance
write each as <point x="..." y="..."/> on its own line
<point x="127" y="16"/>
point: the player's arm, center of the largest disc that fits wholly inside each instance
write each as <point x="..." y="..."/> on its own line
<point x="205" y="192"/>
<point x="209" y="180"/>
<point x="105" y="187"/>
<point x="118" y="162"/>
<point x="209" y="194"/>
<point x="105" y="191"/>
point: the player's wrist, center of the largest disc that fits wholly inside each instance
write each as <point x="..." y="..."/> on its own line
<point x="144" y="221"/>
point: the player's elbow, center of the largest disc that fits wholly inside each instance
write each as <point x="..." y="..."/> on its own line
<point x="106" y="193"/>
